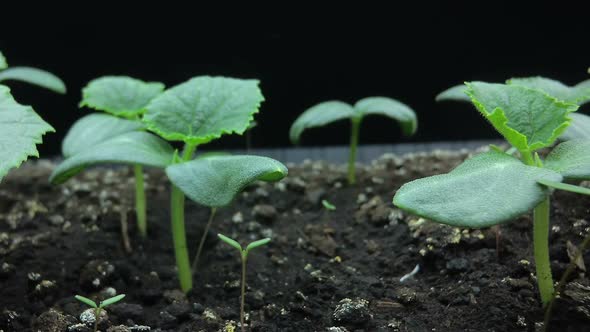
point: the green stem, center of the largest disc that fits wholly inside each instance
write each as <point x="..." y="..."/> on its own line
<point x="178" y="232"/>
<point x="527" y="158"/>
<point x="96" y="318"/>
<point x="541" y="248"/>
<point x="354" y="139"/>
<point x="203" y="238"/>
<point x="140" y="206"/>
<point x="243" y="295"/>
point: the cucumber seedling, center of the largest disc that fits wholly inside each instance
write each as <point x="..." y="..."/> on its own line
<point x="124" y="100"/>
<point x="244" y="258"/>
<point x="495" y="187"/>
<point x="98" y="307"/>
<point x="31" y="75"/>
<point x="332" y="111"/>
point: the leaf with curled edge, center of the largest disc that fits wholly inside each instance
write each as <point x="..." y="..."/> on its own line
<point x="34" y="76"/>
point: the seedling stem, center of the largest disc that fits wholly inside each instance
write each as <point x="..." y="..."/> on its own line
<point x="203" y="238"/>
<point x="354" y="139"/>
<point x="140" y="206"/>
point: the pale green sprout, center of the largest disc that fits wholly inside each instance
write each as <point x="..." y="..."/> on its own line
<point x="328" y="206"/>
<point x="31" y="75"/>
<point x="98" y="307"/>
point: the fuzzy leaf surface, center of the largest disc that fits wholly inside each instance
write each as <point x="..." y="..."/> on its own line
<point x="120" y="95"/>
<point x="94" y="129"/>
<point x="134" y="148"/>
<point x="390" y="108"/>
<point x="320" y="115"/>
<point x="528" y="119"/>
<point x="204" y="108"/>
<point x="21" y="129"/>
<point x="86" y="301"/>
<point x="571" y="159"/>
<point x="257" y="244"/>
<point x="486" y="190"/>
<point x="579" y="127"/>
<point x="578" y="94"/>
<point x="34" y="76"/>
<point x="455" y="93"/>
<point x="215" y="181"/>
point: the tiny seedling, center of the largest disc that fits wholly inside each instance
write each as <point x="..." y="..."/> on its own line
<point x="244" y="259"/>
<point x="98" y="307"/>
<point x="332" y="111"/>
<point x="31" y="75"/>
<point x="328" y="206"/>
<point x="495" y="187"/>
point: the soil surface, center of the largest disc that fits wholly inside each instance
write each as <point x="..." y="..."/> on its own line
<point x="323" y="271"/>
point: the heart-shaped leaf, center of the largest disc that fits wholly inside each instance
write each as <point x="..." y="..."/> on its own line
<point x="120" y="95"/>
<point x="215" y="181"/>
<point x="571" y="159"/>
<point x="3" y="63"/>
<point x="529" y="119"/>
<point x="34" y="76"/>
<point x="390" y="108"/>
<point x="579" y="94"/>
<point x="456" y="93"/>
<point x="21" y="130"/>
<point x="320" y="115"/>
<point x="486" y="190"/>
<point x="203" y="109"/>
<point x="134" y="148"/>
<point x="579" y="127"/>
<point x="94" y="129"/>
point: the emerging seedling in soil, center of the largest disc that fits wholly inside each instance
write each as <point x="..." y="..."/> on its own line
<point x="31" y="75"/>
<point x="244" y="259"/>
<point x="328" y="206"/>
<point x="332" y="111"/>
<point x="495" y="187"/>
<point x="98" y="307"/>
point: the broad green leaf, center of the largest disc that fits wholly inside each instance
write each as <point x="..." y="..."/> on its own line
<point x="390" y="108"/>
<point x="566" y="187"/>
<point x="579" y="127"/>
<point x="94" y="129"/>
<point x="456" y="93"/>
<point x="34" y="76"/>
<point x="3" y="63"/>
<point x="230" y="241"/>
<point x="571" y="159"/>
<point x="204" y="108"/>
<point x="529" y="119"/>
<point x="135" y="147"/>
<point x="320" y="115"/>
<point x="21" y="130"/>
<point x="86" y="300"/>
<point x="215" y="181"/>
<point x="486" y="190"/>
<point x="112" y="300"/>
<point x="579" y="94"/>
<point x="120" y="95"/>
<point x="257" y="244"/>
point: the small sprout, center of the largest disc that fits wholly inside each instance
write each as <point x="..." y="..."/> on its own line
<point x="328" y="206"/>
<point x="332" y="111"/>
<point x="244" y="259"/>
<point x="98" y="307"/>
<point x="31" y="75"/>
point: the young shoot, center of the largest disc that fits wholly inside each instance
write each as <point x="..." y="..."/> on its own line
<point x="244" y="258"/>
<point x="328" y="206"/>
<point x="98" y="307"/>
<point x="495" y="187"/>
<point x="31" y="75"/>
<point x="332" y="111"/>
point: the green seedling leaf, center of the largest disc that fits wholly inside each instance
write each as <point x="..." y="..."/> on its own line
<point x="86" y="300"/>
<point x="565" y="186"/>
<point x="215" y="181"/>
<point x="203" y="109"/>
<point x="34" y="76"/>
<point x="257" y="244"/>
<point x="456" y="93"/>
<point x="120" y="95"/>
<point x="579" y="127"/>
<point x="579" y="94"/>
<point x="94" y="129"/>
<point x="3" y="63"/>
<point x="21" y="129"/>
<point x="112" y="300"/>
<point x="136" y="148"/>
<point x="390" y="108"/>
<point x="571" y="159"/>
<point x="478" y="193"/>
<point x="229" y="241"/>
<point x="529" y="119"/>
<point x="320" y="115"/>
<point x="327" y="205"/>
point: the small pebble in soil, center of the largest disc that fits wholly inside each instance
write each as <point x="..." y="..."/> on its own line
<point x="140" y="328"/>
<point x="88" y="316"/>
<point x="127" y="311"/>
<point x="6" y="270"/>
<point x="9" y="320"/>
<point x="80" y="327"/>
<point x="52" y="320"/>
<point x="336" y="329"/>
<point x="237" y="218"/>
<point x="314" y="196"/>
<point x="354" y="311"/>
<point x="457" y="265"/>
<point x="96" y="274"/>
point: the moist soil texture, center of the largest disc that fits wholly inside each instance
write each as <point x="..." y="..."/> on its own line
<point x="349" y="269"/>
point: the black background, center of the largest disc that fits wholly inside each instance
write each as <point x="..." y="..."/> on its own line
<point x="304" y="55"/>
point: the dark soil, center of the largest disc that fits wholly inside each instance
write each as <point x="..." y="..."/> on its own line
<point x="324" y="270"/>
